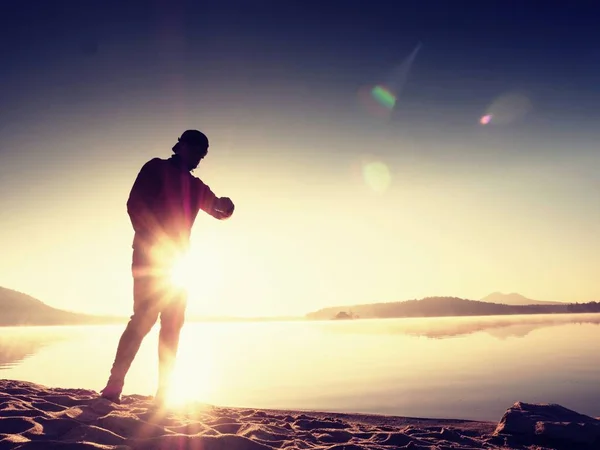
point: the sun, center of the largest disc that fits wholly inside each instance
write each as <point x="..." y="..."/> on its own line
<point x="193" y="270"/>
<point x="182" y="271"/>
<point x="201" y="273"/>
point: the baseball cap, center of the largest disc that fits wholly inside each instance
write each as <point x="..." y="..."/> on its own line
<point x="193" y="137"/>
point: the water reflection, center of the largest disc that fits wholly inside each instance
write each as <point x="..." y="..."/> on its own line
<point x="452" y="367"/>
<point x="500" y="327"/>
<point x="19" y="343"/>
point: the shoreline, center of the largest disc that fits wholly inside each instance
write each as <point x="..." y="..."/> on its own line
<point x="34" y="416"/>
<point x="219" y="320"/>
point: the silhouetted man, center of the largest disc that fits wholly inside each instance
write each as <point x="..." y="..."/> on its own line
<point x="163" y="204"/>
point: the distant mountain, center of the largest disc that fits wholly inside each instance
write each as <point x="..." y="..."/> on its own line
<point x="22" y="309"/>
<point x="514" y="299"/>
<point x="447" y="306"/>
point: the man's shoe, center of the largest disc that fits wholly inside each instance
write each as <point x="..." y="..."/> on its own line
<point x="111" y="393"/>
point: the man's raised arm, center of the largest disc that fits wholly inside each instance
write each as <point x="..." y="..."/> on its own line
<point x="219" y="208"/>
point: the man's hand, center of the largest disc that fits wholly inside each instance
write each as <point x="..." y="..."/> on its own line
<point x="223" y="208"/>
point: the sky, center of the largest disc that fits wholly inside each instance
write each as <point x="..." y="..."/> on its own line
<point x="335" y="204"/>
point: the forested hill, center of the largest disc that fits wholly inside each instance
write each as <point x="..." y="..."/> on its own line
<point x="446" y="306"/>
<point x="17" y="308"/>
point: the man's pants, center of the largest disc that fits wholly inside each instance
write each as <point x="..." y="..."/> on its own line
<point x="153" y="295"/>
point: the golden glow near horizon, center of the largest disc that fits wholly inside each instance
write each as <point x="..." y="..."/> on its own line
<point x="305" y="236"/>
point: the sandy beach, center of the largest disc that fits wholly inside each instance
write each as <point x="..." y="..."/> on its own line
<point x="39" y="417"/>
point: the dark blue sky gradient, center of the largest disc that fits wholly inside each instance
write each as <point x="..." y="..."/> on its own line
<point x="471" y="50"/>
<point x="282" y="74"/>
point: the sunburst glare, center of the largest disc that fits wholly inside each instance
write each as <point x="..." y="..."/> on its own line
<point x="182" y="271"/>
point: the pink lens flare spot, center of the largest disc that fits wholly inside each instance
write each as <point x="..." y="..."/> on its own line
<point x="485" y="119"/>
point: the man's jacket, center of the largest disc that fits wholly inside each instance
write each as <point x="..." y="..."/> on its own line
<point x="164" y="202"/>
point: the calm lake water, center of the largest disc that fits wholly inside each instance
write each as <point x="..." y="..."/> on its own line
<point x="471" y="368"/>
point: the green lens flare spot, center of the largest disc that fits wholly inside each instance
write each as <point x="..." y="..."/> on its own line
<point x="383" y="96"/>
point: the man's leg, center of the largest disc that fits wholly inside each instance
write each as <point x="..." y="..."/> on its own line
<point x="145" y="315"/>
<point x="171" y="321"/>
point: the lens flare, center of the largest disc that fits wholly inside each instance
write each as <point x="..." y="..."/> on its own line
<point x="377" y="176"/>
<point x="369" y="98"/>
<point x="485" y="119"/>
<point x="381" y="98"/>
<point x="384" y="97"/>
<point x="509" y="108"/>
